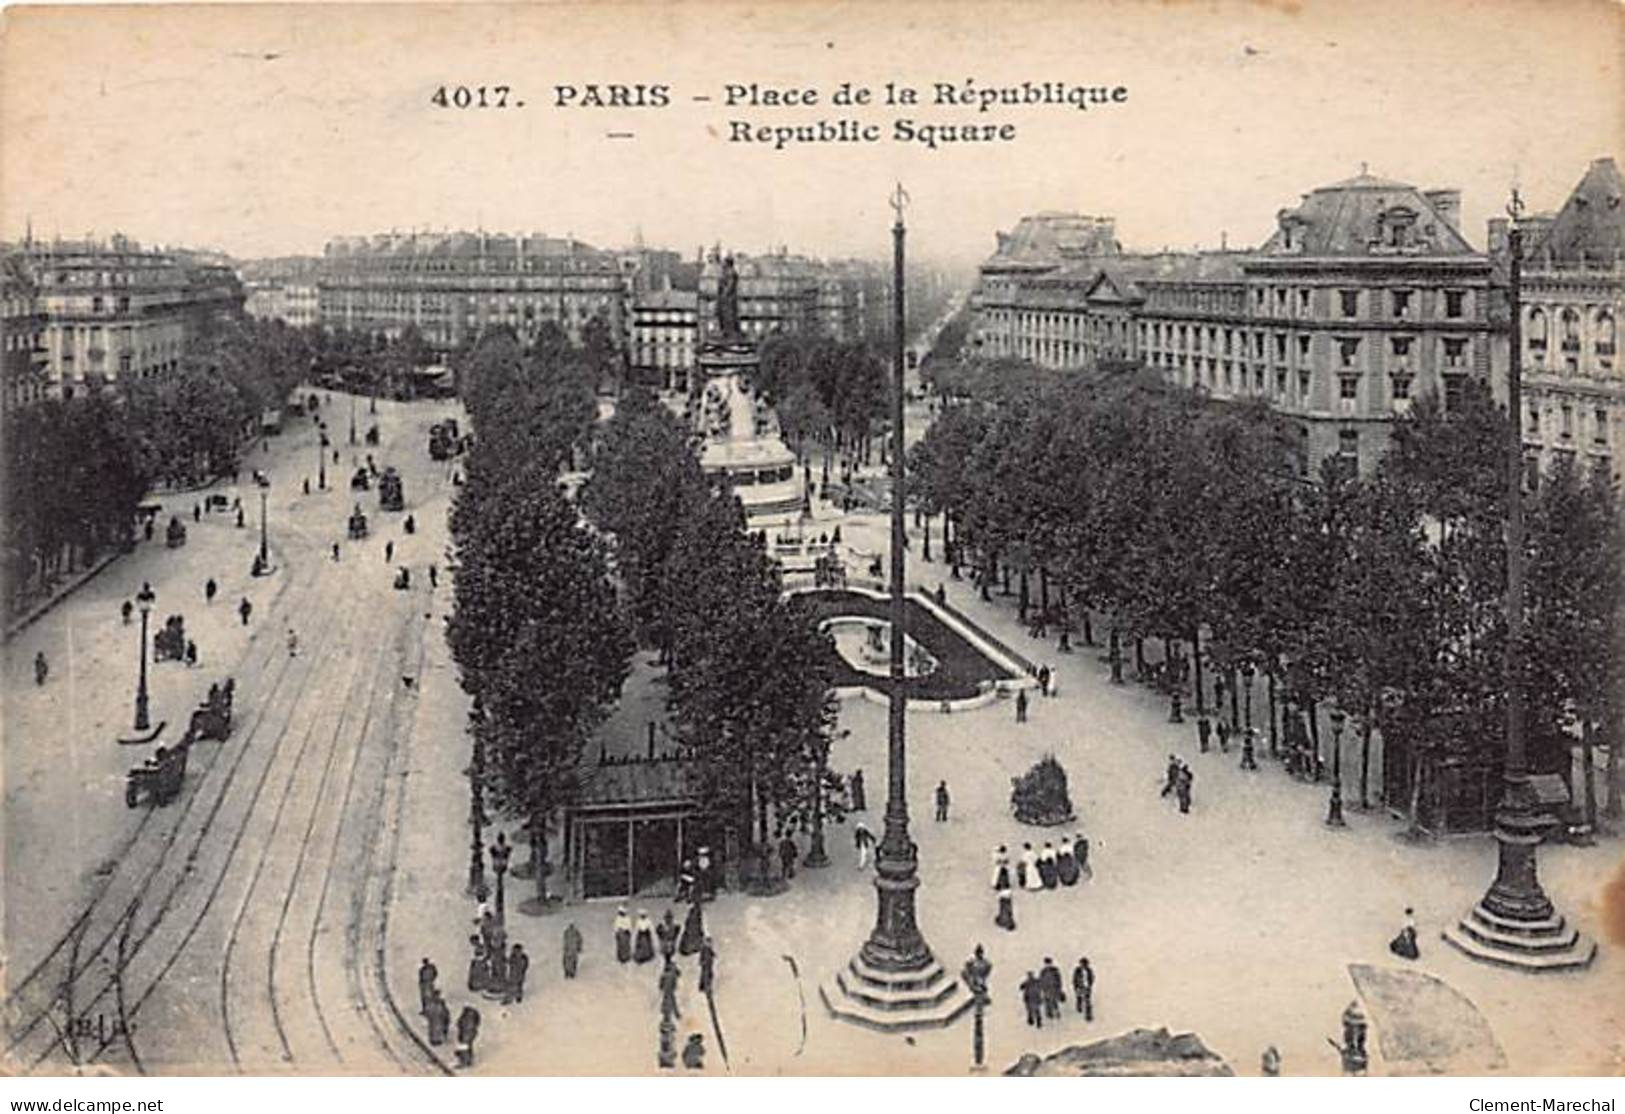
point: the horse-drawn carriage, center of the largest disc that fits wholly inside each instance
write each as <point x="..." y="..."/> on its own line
<point x="211" y="720"/>
<point x="358" y="524"/>
<point x="372" y="435"/>
<point x="444" y="442"/>
<point x="175" y="535"/>
<point x="361" y="481"/>
<point x="158" y="779"/>
<point x="169" y="643"/>
<point x="390" y="495"/>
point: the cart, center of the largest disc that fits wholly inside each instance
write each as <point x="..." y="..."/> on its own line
<point x="157" y="780"/>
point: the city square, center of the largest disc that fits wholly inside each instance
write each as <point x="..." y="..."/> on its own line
<point x="482" y="653"/>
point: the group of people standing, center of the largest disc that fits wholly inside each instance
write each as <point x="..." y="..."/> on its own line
<point x="1049" y="869"/>
<point x="1042" y="992"/>
<point x="636" y="942"/>
<point x="437" y="1014"/>
<point x="1178" y="781"/>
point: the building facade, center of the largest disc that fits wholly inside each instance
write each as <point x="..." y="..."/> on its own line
<point x="117" y="312"/>
<point x="794" y="295"/>
<point x="1572" y="298"/>
<point x="451" y="286"/>
<point x="295" y="303"/>
<point x="22" y="332"/>
<point x="665" y="324"/>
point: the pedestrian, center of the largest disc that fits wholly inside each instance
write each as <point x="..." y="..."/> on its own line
<point x="643" y="940"/>
<point x="434" y="577"/>
<point x="518" y="967"/>
<point x="694" y="1053"/>
<point x="239" y="517"/>
<point x="1404" y="945"/>
<point x="389" y="552"/>
<point x="787" y="856"/>
<point x="1083" y="988"/>
<point x="1001" y="868"/>
<point x="1270" y="1062"/>
<point x="307" y="485"/>
<point x="209" y="590"/>
<point x="863" y="840"/>
<point x="1066" y="863"/>
<point x="1048" y="872"/>
<point x="1204" y="731"/>
<point x="1224" y="735"/>
<point x="427" y="974"/>
<point x="478" y="968"/>
<point x="293" y="643"/>
<point x="191" y="653"/>
<point x="1028" y="870"/>
<point x="1006" y="916"/>
<point x="666" y="931"/>
<point x="708" y="967"/>
<point x="942" y="595"/>
<point x="942" y="801"/>
<point x="571" y="952"/>
<point x="411" y="525"/>
<point x="1080" y="851"/>
<point x="703" y="875"/>
<point x="126" y="608"/>
<point x="668" y="990"/>
<point x="41" y="667"/>
<point x="1171" y="779"/>
<point x="1049" y="985"/>
<point x="855" y="786"/>
<point x="685" y="882"/>
<point x="439" y="1018"/>
<point x="1043" y="679"/>
<point x="197" y="512"/>
<point x="468" y="1028"/>
<point x="335" y="552"/>
<point x="245" y="609"/>
<point x="1021" y="705"/>
<point x="1183" y="789"/>
<point x="623" y="935"/>
<point x="693" y="928"/>
<point x="1032" y="996"/>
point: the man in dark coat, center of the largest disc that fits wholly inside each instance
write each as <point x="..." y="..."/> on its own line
<point x="787" y="856"/>
<point x="1171" y="780"/>
<point x="942" y="801"/>
<point x="1183" y="789"/>
<point x="859" y="803"/>
<point x="209" y="590"/>
<point x="1083" y="988"/>
<point x="708" y="967"/>
<point x="245" y="609"/>
<point x="468" y="1028"/>
<point x="668" y="990"/>
<point x="518" y="967"/>
<point x="478" y="972"/>
<point x="439" y="1018"/>
<point x="1049" y="979"/>
<point x="666" y="932"/>
<point x="571" y="952"/>
<point x="1021" y="705"/>
<point x="1032" y="996"/>
<point x="427" y="974"/>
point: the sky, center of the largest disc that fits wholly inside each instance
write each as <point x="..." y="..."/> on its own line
<point x="266" y="130"/>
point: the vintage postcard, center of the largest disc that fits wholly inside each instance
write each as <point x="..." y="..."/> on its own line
<point x="813" y="539"/>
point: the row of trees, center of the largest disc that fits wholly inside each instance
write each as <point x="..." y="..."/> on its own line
<point x="1186" y="521"/>
<point x="826" y="392"/>
<point x="536" y="628"/>
<point x="750" y="684"/>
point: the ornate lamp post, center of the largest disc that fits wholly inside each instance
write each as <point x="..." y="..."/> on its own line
<point x="976" y="972"/>
<point x="265" y="549"/>
<point x="1248" y="762"/>
<point x="1514" y="924"/>
<point x="321" y="457"/>
<point x="145" y="598"/>
<point x="500" y="851"/>
<point x="1334" y="811"/>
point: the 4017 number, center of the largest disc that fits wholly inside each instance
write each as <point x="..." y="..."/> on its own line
<point x="474" y="96"/>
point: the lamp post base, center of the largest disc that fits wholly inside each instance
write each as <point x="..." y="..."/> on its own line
<point x="895" y="1001"/>
<point x="1334" y="811"/>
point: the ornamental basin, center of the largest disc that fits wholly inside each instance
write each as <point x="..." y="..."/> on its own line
<point x="865" y="645"/>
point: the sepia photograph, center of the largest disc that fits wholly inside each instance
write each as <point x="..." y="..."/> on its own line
<point x="814" y="539"/>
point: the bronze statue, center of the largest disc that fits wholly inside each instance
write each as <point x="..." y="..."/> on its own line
<point x="728" y="299"/>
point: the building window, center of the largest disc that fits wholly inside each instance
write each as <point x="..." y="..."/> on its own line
<point x="1534" y="419"/>
<point x="1348" y="386"/>
<point x="1303" y="347"/>
<point x="1571" y="331"/>
<point x="1303" y="385"/>
<point x="1454" y="384"/>
<point x="1280" y="383"/>
<point x="1455" y="352"/>
<point x="1567" y="429"/>
<point x="1348" y="350"/>
<point x="1537" y="330"/>
<point x="1303" y="303"/>
<point x="1531" y="472"/>
<point x="1350" y="302"/>
<point x="1402" y="303"/>
<point x="1348" y="449"/>
<point x="1402" y="386"/>
<point x="1605" y="336"/>
<point x="1454" y="302"/>
<point x="1401" y="348"/>
<point x="1600" y="426"/>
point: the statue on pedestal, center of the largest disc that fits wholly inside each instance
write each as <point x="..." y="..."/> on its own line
<point x="728" y="299"/>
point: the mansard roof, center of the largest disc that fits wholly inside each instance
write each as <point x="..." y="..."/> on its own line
<point x="1590" y="228"/>
<point x="1048" y="238"/>
<point x="1350" y="218"/>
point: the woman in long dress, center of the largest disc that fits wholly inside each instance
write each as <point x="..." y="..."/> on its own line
<point x="1066" y="863"/>
<point x="1001" y="869"/>
<point x="623" y="935"/>
<point x="1030" y="879"/>
<point x="1006" y="917"/>
<point x="643" y="945"/>
<point x="693" y="929"/>
<point x="1080" y="851"/>
<point x="1047" y="872"/>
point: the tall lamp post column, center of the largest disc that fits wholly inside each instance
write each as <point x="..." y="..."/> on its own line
<point x="352" y="419"/>
<point x="1334" y="811"/>
<point x="500" y="851"/>
<point x="145" y="598"/>
<point x="1514" y="924"/>
<point x="321" y="456"/>
<point x="265" y="550"/>
<point x="1248" y="761"/>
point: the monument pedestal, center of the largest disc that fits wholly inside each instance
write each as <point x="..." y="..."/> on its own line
<point x="895" y="1001"/>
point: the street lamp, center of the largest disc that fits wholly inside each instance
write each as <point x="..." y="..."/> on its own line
<point x="321" y="457"/>
<point x="976" y="972"/>
<point x="1334" y="812"/>
<point x="1247" y="760"/>
<point x="352" y="418"/>
<point x="145" y="598"/>
<point x="500" y="851"/>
